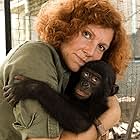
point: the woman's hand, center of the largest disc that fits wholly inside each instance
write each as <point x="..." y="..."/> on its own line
<point x="90" y="134"/>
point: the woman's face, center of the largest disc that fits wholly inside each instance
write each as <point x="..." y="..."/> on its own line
<point x="90" y="44"/>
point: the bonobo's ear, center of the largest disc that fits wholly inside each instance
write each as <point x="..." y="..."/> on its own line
<point x="114" y="90"/>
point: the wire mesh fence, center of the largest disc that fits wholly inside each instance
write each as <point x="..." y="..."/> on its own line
<point x="128" y="94"/>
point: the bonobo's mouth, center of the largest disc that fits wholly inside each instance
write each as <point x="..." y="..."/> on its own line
<point x="81" y="94"/>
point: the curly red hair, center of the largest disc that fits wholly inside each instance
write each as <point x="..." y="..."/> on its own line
<point x="59" y="20"/>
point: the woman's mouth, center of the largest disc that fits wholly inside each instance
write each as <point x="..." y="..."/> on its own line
<point x="80" y="61"/>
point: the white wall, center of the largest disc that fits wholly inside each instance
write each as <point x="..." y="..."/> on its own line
<point x="2" y="37"/>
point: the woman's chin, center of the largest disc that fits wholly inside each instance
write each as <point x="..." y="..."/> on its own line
<point x="75" y="68"/>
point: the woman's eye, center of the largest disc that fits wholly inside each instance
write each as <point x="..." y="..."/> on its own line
<point x="101" y="48"/>
<point x="86" y="34"/>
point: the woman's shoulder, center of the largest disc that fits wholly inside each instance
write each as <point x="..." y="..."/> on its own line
<point x="36" y="46"/>
<point x="41" y="50"/>
<point x="34" y="49"/>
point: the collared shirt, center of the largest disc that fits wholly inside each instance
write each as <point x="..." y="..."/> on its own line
<point x="39" y="61"/>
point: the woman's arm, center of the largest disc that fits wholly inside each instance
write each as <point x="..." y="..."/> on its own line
<point x="112" y="115"/>
<point x="90" y="134"/>
<point x="108" y="119"/>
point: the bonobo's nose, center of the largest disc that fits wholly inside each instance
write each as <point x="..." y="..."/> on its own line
<point x="85" y="85"/>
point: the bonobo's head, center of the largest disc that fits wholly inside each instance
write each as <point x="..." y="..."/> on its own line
<point x="97" y="78"/>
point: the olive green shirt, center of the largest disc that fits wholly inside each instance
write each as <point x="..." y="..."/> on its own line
<point x="39" y="61"/>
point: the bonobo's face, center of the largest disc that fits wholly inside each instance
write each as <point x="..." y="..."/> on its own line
<point x="88" y="84"/>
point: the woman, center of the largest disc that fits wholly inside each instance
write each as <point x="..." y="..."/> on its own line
<point x="73" y="32"/>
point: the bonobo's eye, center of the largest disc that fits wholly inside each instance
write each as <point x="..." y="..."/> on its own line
<point x="95" y="80"/>
<point x="86" y="74"/>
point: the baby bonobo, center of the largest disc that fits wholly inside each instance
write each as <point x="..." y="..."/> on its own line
<point x="84" y="100"/>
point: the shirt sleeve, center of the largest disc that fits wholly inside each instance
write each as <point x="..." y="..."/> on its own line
<point x="34" y="61"/>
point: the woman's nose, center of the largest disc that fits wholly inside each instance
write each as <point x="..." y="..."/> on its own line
<point x="90" y="50"/>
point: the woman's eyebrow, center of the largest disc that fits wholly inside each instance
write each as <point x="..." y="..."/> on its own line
<point x="90" y="30"/>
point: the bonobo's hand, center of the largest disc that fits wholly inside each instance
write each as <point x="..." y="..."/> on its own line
<point x="20" y="88"/>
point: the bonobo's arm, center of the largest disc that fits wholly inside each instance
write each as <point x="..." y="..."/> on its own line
<point x="54" y="103"/>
